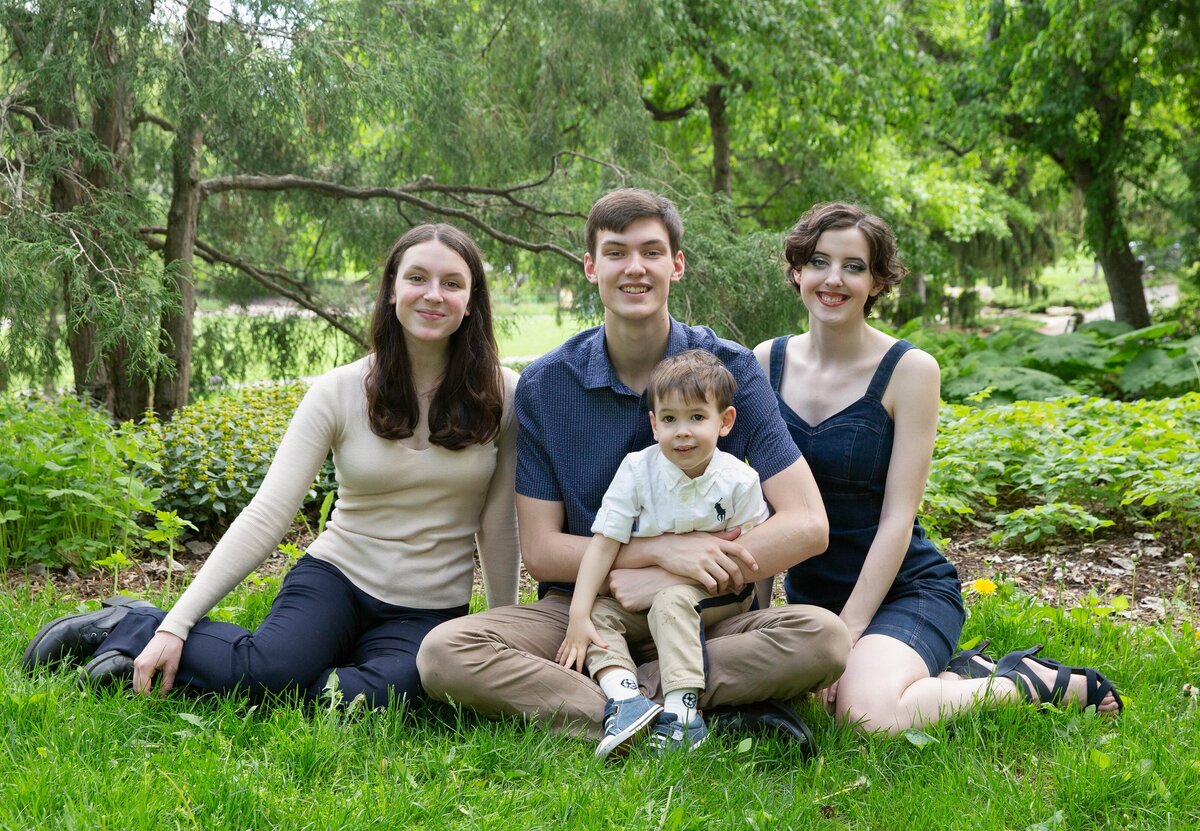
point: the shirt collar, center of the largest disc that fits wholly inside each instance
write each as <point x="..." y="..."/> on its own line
<point x="598" y="369"/>
<point x="677" y="479"/>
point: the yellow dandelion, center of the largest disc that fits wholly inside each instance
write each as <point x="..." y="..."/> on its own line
<point x="984" y="586"/>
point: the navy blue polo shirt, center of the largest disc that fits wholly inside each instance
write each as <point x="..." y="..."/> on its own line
<point x="577" y="421"/>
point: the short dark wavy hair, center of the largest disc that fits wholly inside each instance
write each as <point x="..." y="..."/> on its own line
<point x="886" y="268"/>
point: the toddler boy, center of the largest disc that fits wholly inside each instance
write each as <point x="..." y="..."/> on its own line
<point x="682" y="483"/>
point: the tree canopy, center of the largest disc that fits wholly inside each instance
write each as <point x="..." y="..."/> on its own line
<point x="148" y="147"/>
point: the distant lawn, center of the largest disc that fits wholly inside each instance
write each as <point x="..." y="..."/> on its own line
<point x="531" y="330"/>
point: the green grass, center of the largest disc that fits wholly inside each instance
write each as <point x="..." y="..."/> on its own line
<point x="532" y="329"/>
<point x="85" y="759"/>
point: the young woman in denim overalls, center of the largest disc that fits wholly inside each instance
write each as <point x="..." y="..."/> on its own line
<point x="863" y="407"/>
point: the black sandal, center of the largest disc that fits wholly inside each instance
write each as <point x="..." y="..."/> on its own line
<point x="965" y="663"/>
<point x="1012" y="667"/>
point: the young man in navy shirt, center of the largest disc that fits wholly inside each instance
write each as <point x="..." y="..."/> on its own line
<point x="581" y="409"/>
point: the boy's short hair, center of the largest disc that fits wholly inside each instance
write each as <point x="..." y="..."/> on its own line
<point x="618" y="210"/>
<point x="697" y="375"/>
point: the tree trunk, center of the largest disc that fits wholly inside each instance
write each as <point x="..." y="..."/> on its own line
<point x="112" y="124"/>
<point x="67" y="193"/>
<point x="1108" y="237"/>
<point x="1123" y="274"/>
<point x="130" y="386"/>
<point x="718" y="124"/>
<point x="171" y="387"/>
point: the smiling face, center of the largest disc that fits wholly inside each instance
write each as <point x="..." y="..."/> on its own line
<point x="431" y="292"/>
<point x="836" y="281"/>
<point x="687" y="431"/>
<point x="634" y="269"/>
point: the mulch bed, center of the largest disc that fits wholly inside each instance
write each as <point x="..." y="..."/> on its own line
<point x="1062" y="575"/>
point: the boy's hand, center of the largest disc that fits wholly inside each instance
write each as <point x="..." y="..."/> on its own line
<point x="574" y="647"/>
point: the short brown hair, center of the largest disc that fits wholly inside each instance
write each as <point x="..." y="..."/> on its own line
<point x="886" y="268"/>
<point x="697" y="375"/>
<point x="618" y="210"/>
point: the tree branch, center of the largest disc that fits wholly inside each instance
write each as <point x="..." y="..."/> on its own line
<point x="143" y="117"/>
<point x="277" y="281"/>
<point x="33" y="115"/>
<point x="659" y="114"/>
<point x="499" y="28"/>
<point x="406" y="194"/>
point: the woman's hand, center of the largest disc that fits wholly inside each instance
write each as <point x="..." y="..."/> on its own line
<point x="573" y="651"/>
<point x="162" y="654"/>
<point x="828" y="697"/>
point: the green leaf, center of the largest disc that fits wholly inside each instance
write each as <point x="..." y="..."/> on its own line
<point x="919" y="737"/>
<point x="194" y="720"/>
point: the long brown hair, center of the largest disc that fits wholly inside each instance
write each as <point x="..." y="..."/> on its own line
<point x="469" y="402"/>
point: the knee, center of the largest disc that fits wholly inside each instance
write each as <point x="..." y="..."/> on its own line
<point x="831" y="649"/>
<point x="438" y="664"/>
<point x="867" y="713"/>
<point x="674" y="602"/>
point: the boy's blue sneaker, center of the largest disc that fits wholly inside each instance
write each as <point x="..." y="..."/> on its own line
<point x="672" y="734"/>
<point x="624" y="721"/>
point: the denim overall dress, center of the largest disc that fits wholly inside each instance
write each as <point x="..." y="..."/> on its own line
<point x="849" y="454"/>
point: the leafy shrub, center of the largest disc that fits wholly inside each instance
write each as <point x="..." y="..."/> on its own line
<point x="1078" y="464"/>
<point x="68" y="487"/>
<point x="1104" y="358"/>
<point x="214" y="455"/>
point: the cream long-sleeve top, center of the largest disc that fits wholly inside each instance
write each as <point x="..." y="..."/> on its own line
<point x="406" y="522"/>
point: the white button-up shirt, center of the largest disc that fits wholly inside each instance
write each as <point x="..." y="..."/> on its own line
<point x="650" y="496"/>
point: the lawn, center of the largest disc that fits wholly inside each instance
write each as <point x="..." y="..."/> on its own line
<point x="528" y="330"/>
<point x="85" y="759"/>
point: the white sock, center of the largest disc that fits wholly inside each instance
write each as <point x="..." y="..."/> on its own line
<point x="682" y="703"/>
<point x="619" y="684"/>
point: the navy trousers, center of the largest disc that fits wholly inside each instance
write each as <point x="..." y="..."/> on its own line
<point x="318" y="622"/>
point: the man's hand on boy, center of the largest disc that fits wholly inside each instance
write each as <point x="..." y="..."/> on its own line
<point x="713" y="560"/>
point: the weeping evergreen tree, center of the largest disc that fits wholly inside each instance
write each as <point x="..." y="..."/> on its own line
<point x="151" y="147"/>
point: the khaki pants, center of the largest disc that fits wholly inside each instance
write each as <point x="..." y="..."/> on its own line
<point x="501" y="662"/>
<point x="676" y="624"/>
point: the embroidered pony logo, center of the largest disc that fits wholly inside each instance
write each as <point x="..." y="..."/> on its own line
<point x="720" y="511"/>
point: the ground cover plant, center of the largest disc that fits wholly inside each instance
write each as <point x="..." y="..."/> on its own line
<point x="80" y="758"/>
<point x="1041" y="470"/>
<point x="1017" y="363"/>
<point x="211" y="457"/>
<point x="1027" y="474"/>
<point x="71" y="485"/>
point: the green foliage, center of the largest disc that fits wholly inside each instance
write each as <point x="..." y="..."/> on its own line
<point x="213" y="455"/>
<point x="1015" y="363"/>
<point x="1029" y="525"/>
<point x="233" y="349"/>
<point x="1039" y="470"/>
<point x="168" y="527"/>
<point x="70" y="484"/>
